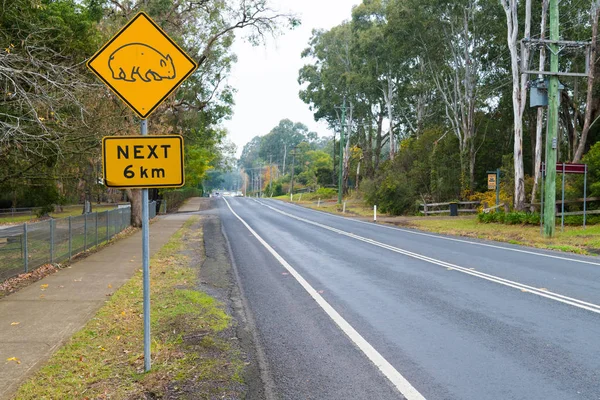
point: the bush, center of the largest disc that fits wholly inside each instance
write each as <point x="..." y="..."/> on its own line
<point x="325" y="193"/>
<point x="511" y="218"/>
<point x="392" y="193"/>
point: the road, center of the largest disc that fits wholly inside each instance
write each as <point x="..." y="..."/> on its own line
<point x="345" y="309"/>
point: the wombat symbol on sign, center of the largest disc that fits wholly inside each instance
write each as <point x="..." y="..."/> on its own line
<point x="138" y="59"/>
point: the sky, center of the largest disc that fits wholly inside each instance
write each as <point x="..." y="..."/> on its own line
<point x="266" y="76"/>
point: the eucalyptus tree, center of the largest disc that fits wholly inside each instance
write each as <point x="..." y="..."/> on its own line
<point x="332" y="82"/>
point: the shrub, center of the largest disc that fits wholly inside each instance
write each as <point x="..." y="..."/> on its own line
<point x="325" y="193"/>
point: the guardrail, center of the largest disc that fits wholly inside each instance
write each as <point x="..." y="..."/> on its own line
<point x="433" y="208"/>
<point x="28" y="246"/>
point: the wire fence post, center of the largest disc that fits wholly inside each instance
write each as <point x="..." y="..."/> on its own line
<point x="84" y="232"/>
<point x="52" y="241"/>
<point x="107" y="225"/>
<point x="70" y="239"/>
<point x="26" y="255"/>
<point x="96" y="228"/>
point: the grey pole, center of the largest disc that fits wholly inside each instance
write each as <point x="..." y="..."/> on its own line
<point x="25" y="248"/>
<point x="70" y="239"/>
<point x="96" y="228"/>
<point x="584" y="193"/>
<point x="498" y="186"/>
<point x="52" y="241"/>
<point x="146" y="265"/>
<point x="107" y="225"/>
<point x="562" y="217"/>
<point x="85" y="232"/>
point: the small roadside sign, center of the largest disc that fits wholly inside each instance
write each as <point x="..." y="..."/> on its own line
<point x="491" y="181"/>
<point x="142" y="65"/>
<point x="143" y="161"/>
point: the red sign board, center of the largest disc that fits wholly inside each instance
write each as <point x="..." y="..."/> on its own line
<point x="568" y="168"/>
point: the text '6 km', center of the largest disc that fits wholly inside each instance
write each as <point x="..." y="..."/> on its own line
<point x="143" y="161"/>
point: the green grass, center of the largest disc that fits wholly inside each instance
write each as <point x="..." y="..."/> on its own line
<point x="574" y="239"/>
<point x="354" y="207"/>
<point x="106" y="356"/>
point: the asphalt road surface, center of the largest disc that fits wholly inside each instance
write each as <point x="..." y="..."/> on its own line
<point x="350" y="310"/>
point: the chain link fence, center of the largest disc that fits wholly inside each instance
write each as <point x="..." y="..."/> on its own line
<point x="26" y="247"/>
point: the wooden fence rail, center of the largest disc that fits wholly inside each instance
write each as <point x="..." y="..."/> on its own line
<point x="427" y="208"/>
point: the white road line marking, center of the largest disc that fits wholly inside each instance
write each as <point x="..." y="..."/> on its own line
<point x="405" y="388"/>
<point x="414" y="232"/>
<point x="595" y="308"/>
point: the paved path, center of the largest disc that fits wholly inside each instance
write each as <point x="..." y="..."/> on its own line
<point x="352" y="310"/>
<point x="49" y="317"/>
<point x="192" y="204"/>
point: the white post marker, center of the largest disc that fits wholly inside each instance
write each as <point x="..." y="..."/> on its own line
<point x="319" y="203"/>
<point x="374" y="213"/>
<point x="344" y="208"/>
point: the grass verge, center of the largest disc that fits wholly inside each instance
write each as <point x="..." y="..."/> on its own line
<point x="573" y="239"/>
<point x="192" y="354"/>
<point x="354" y="207"/>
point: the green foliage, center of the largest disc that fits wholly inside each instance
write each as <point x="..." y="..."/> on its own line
<point x="326" y="193"/>
<point x="391" y="192"/>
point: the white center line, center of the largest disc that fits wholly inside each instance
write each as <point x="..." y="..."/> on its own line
<point x="403" y="385"/>
<point x="595" y="308"/>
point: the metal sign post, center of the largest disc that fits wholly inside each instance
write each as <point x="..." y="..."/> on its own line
<point x="142" y="65"/>
<point x="146" y="264"/>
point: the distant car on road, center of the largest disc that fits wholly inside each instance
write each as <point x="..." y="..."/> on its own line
<point x="239" y="194"/>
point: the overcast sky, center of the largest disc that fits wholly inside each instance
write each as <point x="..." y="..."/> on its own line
<point x="266" y="77"/>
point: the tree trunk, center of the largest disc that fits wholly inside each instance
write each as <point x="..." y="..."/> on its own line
<point x="519" y="87"/>
<point x="135" y="199"/>
<point x="537" y="157"/>
<point x="388" y="97"/>
<point x="378" y="141"/>
<point x="590" y="85"/>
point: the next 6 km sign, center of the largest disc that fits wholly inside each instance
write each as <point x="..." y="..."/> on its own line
<point x="143" y="161"/>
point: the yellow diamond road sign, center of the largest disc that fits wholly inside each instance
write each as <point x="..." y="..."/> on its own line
<point x="143" y="161"/>
<point x="142" y="65"/>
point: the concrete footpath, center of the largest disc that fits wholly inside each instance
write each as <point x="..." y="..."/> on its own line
<point x="37" y="320"/>
<point x="193" y="204"/>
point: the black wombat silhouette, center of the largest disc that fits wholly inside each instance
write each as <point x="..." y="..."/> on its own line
<point x="142" y="60"/>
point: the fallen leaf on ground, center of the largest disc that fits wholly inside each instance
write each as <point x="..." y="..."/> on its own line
<point x="42" y="296"/>
<point x="44" y="286"/>
<point x="15" y="323"/>
<point x="15" y="359"/>
<point x="109" y="286"/>
<point x="77" y="280"/>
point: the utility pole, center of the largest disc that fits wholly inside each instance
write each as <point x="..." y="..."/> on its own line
<point x="293" y="162"/>
<point x="260" y="171"/>
<point x="271" y="174"/>
<point x="552" y="136"/>
<point x="340" y="183"/>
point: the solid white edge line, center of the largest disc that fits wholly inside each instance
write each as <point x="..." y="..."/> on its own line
<point x="492" y="278"/>
<point x="403" y="386"/>
<point x="415" y="232"/>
